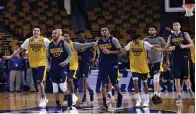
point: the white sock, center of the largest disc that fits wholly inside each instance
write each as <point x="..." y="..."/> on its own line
<point x="110" y="93"/>
<point x="137" y="96"/>
<point x="146" y="97"/>
<point x="179" y="94"/>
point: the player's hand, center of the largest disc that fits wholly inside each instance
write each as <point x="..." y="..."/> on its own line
<point x="172" y="48"/>
<point x="106" y="51"/>
<point x="95" y="44"/>
<point x="62" y="64"/>
<point x="169" y="29"/>
<point x="181" y="46"/>
<point x="6" y="57"/>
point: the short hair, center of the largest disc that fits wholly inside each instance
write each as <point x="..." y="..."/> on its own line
<point x="104" y="26"/>
<point x="36" y="26"/>
<point x="67" y="33"/>
<point x="79" y="31"/>
<point x="176" y="22"/>
<point x="135" y="36"/>
<point x="152" y="26"/>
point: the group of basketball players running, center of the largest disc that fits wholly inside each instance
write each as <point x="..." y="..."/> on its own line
<point x="60" y="57"/>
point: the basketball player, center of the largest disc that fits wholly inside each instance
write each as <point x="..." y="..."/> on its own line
<point x="73" y="64"/>
<point x="109" y="48"/>
<point x="180" y="43"/>
<point x="155" y="60"/>
<point x="59" y="54"/>
<point x="85" y="60"/>
<point x="139" y="65"/>
<point x="36" y="46"/>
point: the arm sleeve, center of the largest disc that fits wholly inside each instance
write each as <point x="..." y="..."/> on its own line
<point x="68" y="50"/>
<point x="116" y="43"/>
<point x="46" y="42"/>
<point x="145" y="39"/>
<point x="147" y="45"/>
<point x="163" y="43"/>
<point x="82" y="45"/>
<point x="25" y="44"/>
<point x="127" y="47"/>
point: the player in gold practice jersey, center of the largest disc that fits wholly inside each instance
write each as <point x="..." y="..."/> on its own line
<point x="36" y="46"/>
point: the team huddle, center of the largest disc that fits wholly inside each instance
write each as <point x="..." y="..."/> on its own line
<point x="62" y="58"/>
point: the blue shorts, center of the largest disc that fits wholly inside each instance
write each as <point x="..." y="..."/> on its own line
<point x="106" y="74"/>
<point x="84" y="71"/>
<point x="71" y="74"/>
<point x="142" y="76"/>
<point x="39" y="74"/>
<point x="181" y="67"/>
<point x="58" y="76"/>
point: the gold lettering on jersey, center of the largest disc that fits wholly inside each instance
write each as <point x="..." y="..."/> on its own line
<point x="56" y="52"/>
<point x="136" y="51"/>
<point x="82" y="49"/>
<point x="36" y="47"/>
<point x="177" y="41"/>
<point x="105" y="46"/>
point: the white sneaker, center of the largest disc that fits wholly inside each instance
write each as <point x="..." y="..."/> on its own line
<point x="138" y="103"/>
<point x="43" y="102"/>
<point x="74" y="98"/>
<point x="146" y="103"/>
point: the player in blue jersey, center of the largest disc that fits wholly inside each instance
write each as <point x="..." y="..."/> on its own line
<point x="85" y="59"/>
<point x="109" y="48"/>
<point x="180" y="43"/>
<point x="59" y="55"/>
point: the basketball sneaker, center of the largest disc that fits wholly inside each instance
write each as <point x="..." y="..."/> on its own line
<point x="43" y="102"/>
<point x="119" y="100"/>
<point x="179" y="99"/>
<point x="191" y="94"/>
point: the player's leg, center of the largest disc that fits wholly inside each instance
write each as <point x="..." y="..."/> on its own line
<point x="68" y="100"/>
<point x="71" y="76"/>
<point x="156" y="75"/>
<point x="41" y="76"/>
<point x="110" y="96"/>
<point x="113" y="76"/>
<point x="86" y="73"/>
<point x="136" y="89"/>
<point x="177" y="76"/>
<point x="56" y="94"/>
<point x="34" y="77"/>
<point x="104" y="80"/>
<point x="146" y="98"/>
<point x="186" y="76"/>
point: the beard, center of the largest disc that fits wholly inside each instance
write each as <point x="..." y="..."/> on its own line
<point x="55" y="39"/>
<point x="150" y="34"/>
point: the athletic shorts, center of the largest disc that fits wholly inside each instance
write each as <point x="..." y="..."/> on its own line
<point x="139" y="75"/>
<point x="58" y="76"/>
<point x="39" y="74"/>
<point x="107" y="74"/>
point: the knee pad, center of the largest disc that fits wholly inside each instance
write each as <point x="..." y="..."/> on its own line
<point x="55" y="87"/>
<point x="63" y="86"/>
<point x="135" y="78"/>
<point x="156" y="77"/>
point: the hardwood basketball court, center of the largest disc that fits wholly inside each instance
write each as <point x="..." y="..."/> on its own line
<point x="26" y="102"/>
